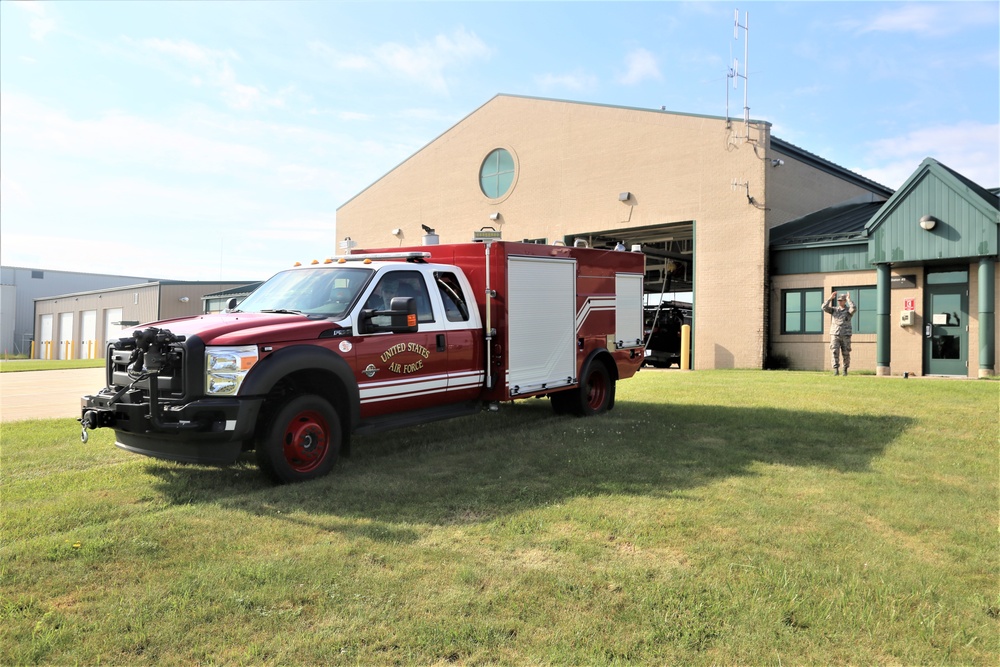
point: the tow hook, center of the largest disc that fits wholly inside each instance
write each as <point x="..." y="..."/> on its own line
<point x="88" y="421"/>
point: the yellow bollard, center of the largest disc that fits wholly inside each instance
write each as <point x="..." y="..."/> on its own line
<point x="32" y="350"/>
<point x="685" y="347"/>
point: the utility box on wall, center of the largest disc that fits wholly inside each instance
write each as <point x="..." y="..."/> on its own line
<point x="906" y="318"/>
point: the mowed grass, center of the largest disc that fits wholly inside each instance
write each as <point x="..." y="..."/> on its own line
<point x="735" y="517"/>
<point x="24" y="365"/>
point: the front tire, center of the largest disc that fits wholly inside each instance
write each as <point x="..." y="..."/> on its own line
<point x="301" y="441"/>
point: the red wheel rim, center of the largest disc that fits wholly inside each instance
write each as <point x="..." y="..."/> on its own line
<point x="306" y="441"/>
<point x="597" y="390"/>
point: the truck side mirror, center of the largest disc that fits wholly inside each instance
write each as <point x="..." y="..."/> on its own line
<point x="400" y="318"/>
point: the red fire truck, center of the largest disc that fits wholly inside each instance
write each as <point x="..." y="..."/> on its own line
<point x="375" y="340"/>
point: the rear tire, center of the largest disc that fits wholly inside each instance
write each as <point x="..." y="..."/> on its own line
<point x="594" y="395"/>
<point x="597" y="391"/>
<point x="301" y="441"/>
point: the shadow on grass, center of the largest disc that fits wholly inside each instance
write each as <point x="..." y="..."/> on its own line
<point x="494" y="465"/>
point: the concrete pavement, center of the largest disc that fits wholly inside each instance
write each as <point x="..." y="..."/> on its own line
<point x="46" y="394"/>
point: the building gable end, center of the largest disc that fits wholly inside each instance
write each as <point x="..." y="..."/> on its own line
<point x="960" y="215"/>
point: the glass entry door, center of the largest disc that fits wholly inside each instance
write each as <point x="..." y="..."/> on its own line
<point x="946" y="336"/>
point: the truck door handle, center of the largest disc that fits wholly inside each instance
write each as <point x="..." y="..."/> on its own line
<point x="440" y="343"/>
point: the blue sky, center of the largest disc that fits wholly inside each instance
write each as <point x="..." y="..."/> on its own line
<point x="206" y="141"/>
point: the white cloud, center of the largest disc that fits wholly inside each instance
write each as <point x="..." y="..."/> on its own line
<point x="213" y="68"/>
<point x="12" y="192"/>
<point x="970" y="148"/>
<point x="305" y="177"/>
<point x="640" y="66"/>
<point x="426" y="63"/>
<point x="233" y="182"/>
<point x="353" y="115"/>
<point x="930" y="20"/>
<point x="41" y="22"/>
<point x="339" y="60"/>
<point x="189" y="52"/>
<point x="119" y="138"/>
<point x="213" y="259"/>
<point x="576" y="81"/>
<point x="311" y="230"/>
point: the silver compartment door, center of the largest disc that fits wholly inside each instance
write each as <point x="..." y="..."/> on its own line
<point x="628" y="310"/>
<point x="541" y="311"/>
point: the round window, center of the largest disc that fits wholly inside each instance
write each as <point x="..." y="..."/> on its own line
<point x="496" y="174"/>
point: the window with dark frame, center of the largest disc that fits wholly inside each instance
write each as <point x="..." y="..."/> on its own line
<point x="802" y="311"/>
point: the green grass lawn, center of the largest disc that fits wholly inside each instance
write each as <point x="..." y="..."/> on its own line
<point x="735" y="517"/>
<point x="19" y="365"/>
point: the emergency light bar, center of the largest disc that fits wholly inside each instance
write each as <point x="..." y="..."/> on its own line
<point x="376" y="256"/>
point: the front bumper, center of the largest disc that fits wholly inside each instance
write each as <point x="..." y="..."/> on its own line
<point x="208" y="430"/>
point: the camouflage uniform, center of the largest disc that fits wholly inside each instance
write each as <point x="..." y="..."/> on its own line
<point x="840" y="331"/>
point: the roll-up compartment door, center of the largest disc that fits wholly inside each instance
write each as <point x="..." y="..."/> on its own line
<point x="628" y="310"/>
<point x="541" y="315"/>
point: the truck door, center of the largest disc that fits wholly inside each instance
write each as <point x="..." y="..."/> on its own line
<point x="462" y="333"/>
<point x="400" y="372"/>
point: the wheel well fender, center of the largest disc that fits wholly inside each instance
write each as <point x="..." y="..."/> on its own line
<point x="602" y="356"/>
<point x="312" y="368"/>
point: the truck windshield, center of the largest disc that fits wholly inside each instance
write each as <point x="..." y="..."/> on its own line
<point x="321" y="292"/>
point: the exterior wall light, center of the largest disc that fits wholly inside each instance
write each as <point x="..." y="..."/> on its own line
<point x="624" y="196"/>
<point x="928" y="222"/>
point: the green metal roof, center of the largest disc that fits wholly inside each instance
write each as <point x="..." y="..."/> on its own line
<point x="830" y="240"/>
<point x="837" y="223"/>
<point x="854" y="236"/>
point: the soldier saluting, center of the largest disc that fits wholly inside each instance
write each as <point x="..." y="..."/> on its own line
<point x="841" y="313"/>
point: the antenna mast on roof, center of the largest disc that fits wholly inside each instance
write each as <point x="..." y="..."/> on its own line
<point x="734" y="72"/>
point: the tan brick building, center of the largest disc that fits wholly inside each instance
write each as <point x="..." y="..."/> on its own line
<point x="698" y="193"/>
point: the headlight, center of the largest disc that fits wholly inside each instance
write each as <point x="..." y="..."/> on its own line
<point x="225" y="368"/>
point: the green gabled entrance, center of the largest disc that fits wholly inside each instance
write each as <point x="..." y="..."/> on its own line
<point x="943" y="221"/>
